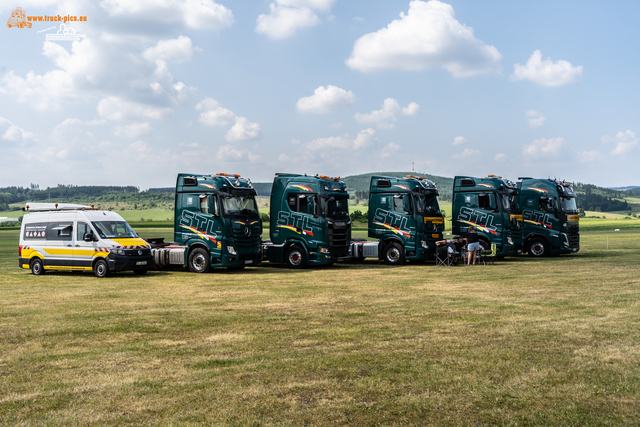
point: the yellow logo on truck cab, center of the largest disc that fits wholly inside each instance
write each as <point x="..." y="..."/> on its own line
<point x="573" y="218"/>
<point x="434" y="220"/>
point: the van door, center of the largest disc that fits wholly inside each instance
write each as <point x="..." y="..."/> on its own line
<point x="84" y="252"/>
<point x="59" y="245"/>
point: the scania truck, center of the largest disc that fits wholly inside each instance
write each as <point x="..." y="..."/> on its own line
<point x="489" y="205"/>
<point x="405" y="217"/>
<point x="551" y="221"/>
<point x="217" y="224"/>
<point x="309" y="221"/>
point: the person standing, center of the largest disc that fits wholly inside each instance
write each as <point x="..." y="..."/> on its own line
<point x="473" y="245"/>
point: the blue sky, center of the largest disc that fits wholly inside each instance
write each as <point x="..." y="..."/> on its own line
<point x="333" y="87"/>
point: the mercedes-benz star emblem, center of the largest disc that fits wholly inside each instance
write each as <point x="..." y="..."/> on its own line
<point x="247" y="231"/>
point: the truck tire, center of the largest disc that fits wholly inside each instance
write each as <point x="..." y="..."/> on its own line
<point x="393" y="254"/>
<point x="295" y="257"/>
<point x="199" y="261"/>
<point x="538" y="248"/>
<point x="37" y="268"/>
<point x="100" y="269"/>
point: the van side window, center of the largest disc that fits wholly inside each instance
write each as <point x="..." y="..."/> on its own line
<point x="81" y="230"/>
<point x="35" y="231"/>
<point x="60" y="231"/>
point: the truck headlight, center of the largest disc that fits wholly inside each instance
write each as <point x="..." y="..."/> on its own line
<point x="423" y="244"/>
<point x="231" y="250"/>
<point x="117" y="251"/>
<point x="509" y="240"/>
<point x="324" y="251"/>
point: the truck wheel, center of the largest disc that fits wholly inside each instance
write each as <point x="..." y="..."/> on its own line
<point x="393" y="254"/>
<point x="296" y="257"/>
<point x="484" y="245"/>
<point x="199" y="261"/>
<point x="36" y="267"/>
<point x="101" y="269"/>
<point x="538" y="248"/>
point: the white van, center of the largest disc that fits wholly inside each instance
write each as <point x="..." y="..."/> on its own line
<point x="75" y="237"/>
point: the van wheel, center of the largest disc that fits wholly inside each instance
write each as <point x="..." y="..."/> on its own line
<point x="538" y="248"/>
<point x="199" y="261"/>
<point x="36" y="267"/>
<point x="393" y="254"/>
<point x="101" y="269"/>
<point x="295" y="257"/>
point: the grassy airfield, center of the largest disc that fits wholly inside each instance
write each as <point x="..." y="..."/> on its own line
<point x="524" y="342"/>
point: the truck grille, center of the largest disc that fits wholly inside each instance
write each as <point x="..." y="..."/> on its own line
<point x="573" y="229"/>
<point x="244" y="244"/>
<point x="574" y="240"/>
<point x="339" y="241"/>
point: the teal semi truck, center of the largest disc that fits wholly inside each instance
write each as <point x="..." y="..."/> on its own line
<point x="405" y="217"/>
<point x="309" y="221"/>
<point x="217" y="224"/>
<point x="489" y="205"/>
<point x="551" y="221"/>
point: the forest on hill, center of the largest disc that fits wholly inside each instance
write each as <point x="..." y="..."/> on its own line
<point x="590" y="197"/>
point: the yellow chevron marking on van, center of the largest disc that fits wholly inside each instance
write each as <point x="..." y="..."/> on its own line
<point x="90" y="252"/>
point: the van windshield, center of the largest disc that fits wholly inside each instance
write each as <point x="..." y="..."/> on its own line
<point x="114" y="229"/>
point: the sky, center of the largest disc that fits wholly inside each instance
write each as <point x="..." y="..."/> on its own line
<point x="145" y="89"/>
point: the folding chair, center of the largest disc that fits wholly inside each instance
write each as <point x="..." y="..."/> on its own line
<point x="489" y="256"/>
<point x="442" y="256"/>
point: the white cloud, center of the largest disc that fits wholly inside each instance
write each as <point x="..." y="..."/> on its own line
<point x="364" y="139"/>
<point x="134" y="130"/>
<point x="389" y="150"/>
<point x="468" y="152"/>
<point x="215" y="115"/>
<point x="117" y="108"/>
<point x="535" y="118"/>
<point x="501" y="157"/>
<point x="428" y="36"/>
<point x="458" y="140"/>
<point x="625" y="142"/>
<point x="243" y="130"/>
<point x="284" y="21"/>
<point x="590" y="156"/>
<point x="326" y="100"/>
<point x="322" y="5"/>
<point x="15" y="133"/>
<point x="194" y="14"/>
<point x="386" y="117"/>
<point x="172" y="50"/>
<point x="229" y="153"/>
<point x="546" y="72"/>
<point x="543" y="147"/>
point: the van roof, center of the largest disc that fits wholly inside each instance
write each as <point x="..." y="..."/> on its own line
<point x="89" y="215"/>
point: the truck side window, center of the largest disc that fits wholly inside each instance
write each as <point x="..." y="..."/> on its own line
<point x="402" y="203"/>
<point x="546" y="205"/>
<point x="209" y="205"/>
<point x="487" y="202"/>
<point x="304" y="203"/>
<point x="470" y="200"/>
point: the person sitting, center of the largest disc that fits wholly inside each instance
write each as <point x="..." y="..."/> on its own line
<point x="448" y="248"/>
<point x="473" y="245"/>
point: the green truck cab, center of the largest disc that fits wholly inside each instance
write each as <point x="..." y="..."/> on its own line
<point x="490" y="206"/>
<point x="217" y="224"/>
<point x="405" y="217"/>
<point x="551" y="221"/>
<point x="309" y="221"/>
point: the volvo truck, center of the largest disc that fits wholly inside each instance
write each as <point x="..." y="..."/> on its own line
<point x="551" y="221"/>
<point x="309" y="221"/>
<point x="217" y="224"/>
<point x="489" y="205"/>
<point x="404" y="217"/>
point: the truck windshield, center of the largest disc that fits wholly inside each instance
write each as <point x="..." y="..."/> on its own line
<point x="240" y="205"/>
<point x="114" y="229"/>
<point x="427" y="204"/>
<point x="335" y="206"/>
<point x="569" y="204"/>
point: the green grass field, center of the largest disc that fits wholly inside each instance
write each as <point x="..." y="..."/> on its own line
<point x="550" y="342"/>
